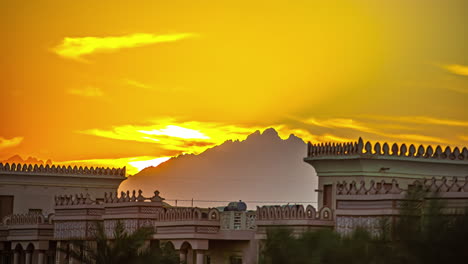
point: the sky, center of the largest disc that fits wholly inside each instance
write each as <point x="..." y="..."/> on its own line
<point x="118" y="83"/>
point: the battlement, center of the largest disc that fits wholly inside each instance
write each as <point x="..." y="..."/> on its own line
<point x="361" y="149"/>
<point x="60" y="170"/>
<point x="292" y="212"/>
<point x="24" y="219"/>
<point x="432" y="185"/>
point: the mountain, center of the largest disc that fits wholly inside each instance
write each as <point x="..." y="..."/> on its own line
<point x="263" y="167"/>
<point x="29" y="160"/>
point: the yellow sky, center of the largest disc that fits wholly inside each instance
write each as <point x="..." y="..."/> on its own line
<point x="113" y="82"/>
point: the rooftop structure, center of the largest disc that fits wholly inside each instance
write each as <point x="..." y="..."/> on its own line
<point x="359" y="185"/>
<point x="31" y="188"/>
<point x="359" y="161"/>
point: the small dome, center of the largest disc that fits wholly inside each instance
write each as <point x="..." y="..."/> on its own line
<point x="236" y="206"/>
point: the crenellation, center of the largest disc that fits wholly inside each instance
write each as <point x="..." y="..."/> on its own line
<point x="77" y="199"/>
<point x="62" y="170"/>
<point x="286" y="212"/>
<point x="386" y="148"/>
<point x="367" y="149"/>
<point x="403" y="150"/>
<point x="24" y="219"/>
<point x="431" y="185"/>
<point x="343" y="188"/>
<point x="395" y="149"/>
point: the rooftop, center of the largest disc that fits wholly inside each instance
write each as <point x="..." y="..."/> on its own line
<point x="18" y="168"/>
<point x="396" y="151"/>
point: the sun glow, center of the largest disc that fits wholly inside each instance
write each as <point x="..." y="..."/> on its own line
<point x="133" y="164"/>
<point x="112" y="92"/>
<point x="141" y="164"/>
<point x="176" y="131"/>
<point x="179" y="136"/>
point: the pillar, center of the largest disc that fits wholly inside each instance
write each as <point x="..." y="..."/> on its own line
<point x="40" y="257"/>
<point x="183" y="256"/>
<point x="16" y="257"/>
<point x="190" y="256"/>
<point x="59" y="255"/>
<point x="200" y="257"/>
<point x="28" y="257"/>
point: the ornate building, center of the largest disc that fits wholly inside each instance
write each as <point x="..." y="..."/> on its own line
<point x="359" y="184"/>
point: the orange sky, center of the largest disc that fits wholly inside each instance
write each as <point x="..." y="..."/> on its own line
<point x="113" y="83"/>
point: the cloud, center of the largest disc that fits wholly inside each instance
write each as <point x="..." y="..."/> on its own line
<point x="185" y="137"/>
<point x="8" y="143"/>
<point x="137" y="84"/>
<point x="75" y="48"/>
<point x="378" y="128"/>
<point x="88" y="91"/>
<point x="133" y="164"/>
<point x="176" y="131"/>
<point x="340" y="123"/>
<point x="423" y="120"/>
<point x="457" y="69"/>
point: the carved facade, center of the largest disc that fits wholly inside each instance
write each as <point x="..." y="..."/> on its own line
<point x="360" y="185"/>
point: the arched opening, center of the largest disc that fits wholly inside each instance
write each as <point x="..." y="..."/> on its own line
<point x="186" y="253"/>
<point x="19" y="254"/>
<point x="29" y="253"/>
<point x="6" y="254"/>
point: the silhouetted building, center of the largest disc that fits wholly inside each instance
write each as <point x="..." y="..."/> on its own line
<point x="359" y="184"/>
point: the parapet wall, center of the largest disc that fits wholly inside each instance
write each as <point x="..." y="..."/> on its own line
<point x="62" y="170"/>
<point x="360" y="148"/>
<point x="433" y="185"/>
<point x="77" y="215"/>
<point x="368" y="205"/>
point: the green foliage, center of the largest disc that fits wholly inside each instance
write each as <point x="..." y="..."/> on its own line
<point x="123" y="248"/>
<point x="426" y="232"/>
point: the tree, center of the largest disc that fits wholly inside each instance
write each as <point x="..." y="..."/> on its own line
<point x="123" y="248"/>
<point x="426" y="232"/>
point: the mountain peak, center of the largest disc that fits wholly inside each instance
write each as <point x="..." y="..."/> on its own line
<point x="258" y="168"/>
<point x="293" y="137"/>
<point x="270" y="132"/>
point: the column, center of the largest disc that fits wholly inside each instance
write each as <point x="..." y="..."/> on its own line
<point x="190" y="256"/>
<point x="70" y="259"/>
<point x="59" y="254"/>
<point x="16" y="257"/>
<point x="183" y="256"/>
<point x="40" y="257"/>
<point x="200" y="257"/>
<point x="28" y="257"/>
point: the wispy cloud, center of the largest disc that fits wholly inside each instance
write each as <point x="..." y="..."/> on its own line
<point x="137" y="84"/>
<point x="340" y="129"/>
<point x="423" y="120"/>
<point x="457" y="69"/>
<point x="340" y="123"/>
<point x="170" y="134"/>
<point x="88" y="91"/>
<point x="76" y="47"/>
<point x="8" y="143"/>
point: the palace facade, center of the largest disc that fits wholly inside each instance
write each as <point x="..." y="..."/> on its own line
<point x="43" y="208"/>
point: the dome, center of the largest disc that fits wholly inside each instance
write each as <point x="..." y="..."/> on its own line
<point x="236" y="206"/>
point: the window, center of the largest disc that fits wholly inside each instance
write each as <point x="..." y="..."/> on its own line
<point x="6" y="205"/>
<point x="35" y="211"/>
<point x="235" y="260"/>
<point x="327" y="195"/>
